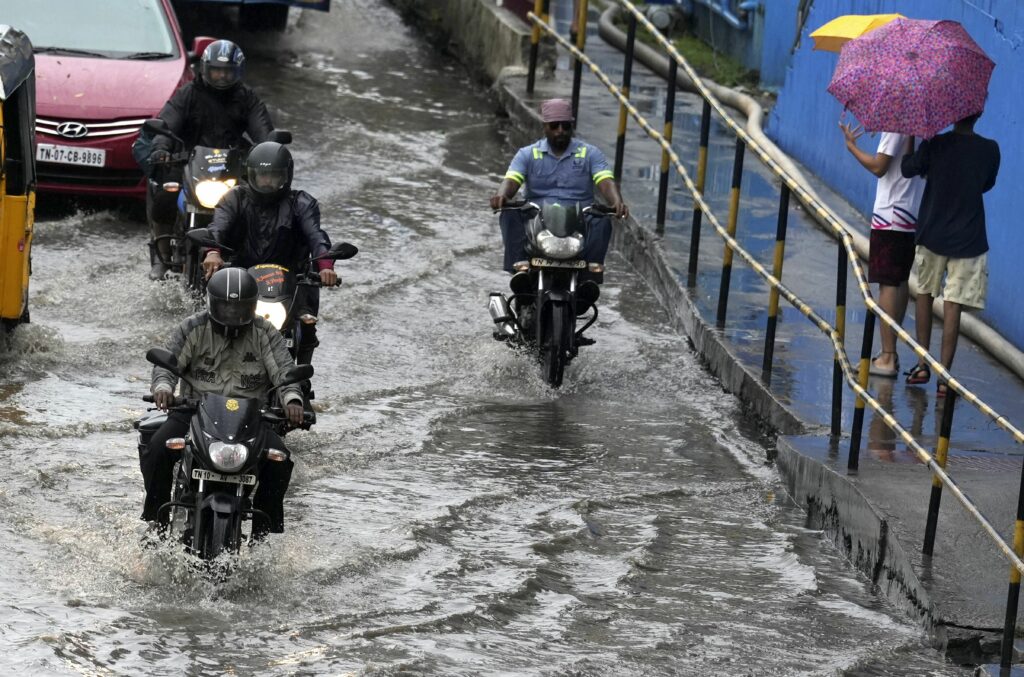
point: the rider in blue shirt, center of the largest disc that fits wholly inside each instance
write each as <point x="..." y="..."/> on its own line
<point x="564" y="168"/>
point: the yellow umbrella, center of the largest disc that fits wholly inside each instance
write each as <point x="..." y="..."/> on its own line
<point x="837" y="32"/>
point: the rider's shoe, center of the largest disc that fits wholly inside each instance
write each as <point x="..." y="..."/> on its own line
<point x="587" y="294"/>
<point x="158" y="271"/>
<point x="582" y="340"/>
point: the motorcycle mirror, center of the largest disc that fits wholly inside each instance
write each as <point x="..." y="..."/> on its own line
<point x="162" y="357"/>
<point x="299" y="372"/>
<point x="204" y="238"/>
<point x="157" y="126"/>
<point x="340" y="251"/>
<point x="280" y="136"/>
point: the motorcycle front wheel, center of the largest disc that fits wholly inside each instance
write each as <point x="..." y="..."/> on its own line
<point x="554" y="343"/>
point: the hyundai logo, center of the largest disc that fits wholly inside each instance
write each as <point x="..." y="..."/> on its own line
<point x="72" y="130"/>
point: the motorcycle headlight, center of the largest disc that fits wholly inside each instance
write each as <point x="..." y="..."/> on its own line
<point x="209" y="193"/>
<point x="273" y="312"/>
<point x="559" y="247"/>
<point x="228" y="457"/>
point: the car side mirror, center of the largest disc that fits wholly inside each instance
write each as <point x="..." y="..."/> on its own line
<point x="280" y="136"/>
<point x="199" y="45"/>
<point x="162" y="357"/>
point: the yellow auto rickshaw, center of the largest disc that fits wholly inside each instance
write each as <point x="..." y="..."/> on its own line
<point x="17" y="173"/>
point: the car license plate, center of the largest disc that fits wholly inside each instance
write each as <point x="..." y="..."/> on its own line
<point x="199" y="474"/>
<point x="549" y="263"/>
<point x="71" y="155"/>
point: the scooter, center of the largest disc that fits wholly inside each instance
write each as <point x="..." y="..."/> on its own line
<point x="279" y="302"/>
<point x="221" y="459"/>
<point x="541" y="313"/>
<point x="207" y="175"/>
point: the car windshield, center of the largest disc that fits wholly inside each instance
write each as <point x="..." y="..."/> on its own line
<point x="108" y="28"/>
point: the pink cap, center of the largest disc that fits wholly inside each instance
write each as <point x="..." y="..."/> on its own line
<point x="556" y="110"/>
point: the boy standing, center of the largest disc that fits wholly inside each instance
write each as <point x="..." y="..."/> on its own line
<point x="959" y="166"/>
<point x="893" y="222"/>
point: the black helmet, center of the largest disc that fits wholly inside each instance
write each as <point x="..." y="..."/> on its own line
<point x="222" y="64"/>
<point x="231" y="300"/>
<point x="268" y="169"/>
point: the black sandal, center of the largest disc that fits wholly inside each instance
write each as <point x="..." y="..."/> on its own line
<point x="920" y="373"/>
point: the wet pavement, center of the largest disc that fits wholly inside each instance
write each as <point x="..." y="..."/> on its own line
<point x="448" y="514"/>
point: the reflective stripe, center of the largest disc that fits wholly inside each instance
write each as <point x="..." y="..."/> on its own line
<point x="601" y="176"/>
<point x="538" y="154"/>
<point x="515" y="176"/>
<point x="582" y="152"/>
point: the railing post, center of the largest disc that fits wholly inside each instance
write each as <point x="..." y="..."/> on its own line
<point x="540" y="8"/>
<point x="837" y="370"/>
<point x="853" y="462"/>
<point x="627" y="77"/>
<point x="670" y="112"/>
<point x="941" y="454"/>
<point x="734" y="210"/>
<point x="773" y="295"/>
<point x="1013" y="594"/>
<point x="577" y="67"/>
<point x="702" y="172"/>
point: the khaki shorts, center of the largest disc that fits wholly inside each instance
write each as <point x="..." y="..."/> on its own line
<point x="966" y="279"/>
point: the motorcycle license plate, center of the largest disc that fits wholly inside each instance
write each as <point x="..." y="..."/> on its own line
<point x="209" y="475"/>
<point x="70" y="155"/>
<point x="551" y="263"/>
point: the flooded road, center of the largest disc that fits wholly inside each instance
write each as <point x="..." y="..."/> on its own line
<point x="449" y="515"/>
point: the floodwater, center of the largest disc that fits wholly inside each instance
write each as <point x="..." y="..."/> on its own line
<point x="449" y="514"/>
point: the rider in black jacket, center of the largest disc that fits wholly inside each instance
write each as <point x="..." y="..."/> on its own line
<point x="217" y="110"/>
<point x="264" y="221"/>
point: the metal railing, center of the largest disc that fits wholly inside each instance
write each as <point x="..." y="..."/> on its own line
<point x="856" y="380"/>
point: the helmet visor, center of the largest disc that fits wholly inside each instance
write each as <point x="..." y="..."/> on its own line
<point x="268" y="179"/>
<point x="221" y="77"/>
<point x="231" y="312"/>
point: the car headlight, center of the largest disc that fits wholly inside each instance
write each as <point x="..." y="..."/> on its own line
<point x="228" y="457"/>
<point x="559" y="247"/>
<point x="273" y="312"/>
<point x="209" y="193"/>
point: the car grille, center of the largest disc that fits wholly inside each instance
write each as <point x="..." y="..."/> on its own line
<point x="87" y="176"/>
<point x="87" y="130"/>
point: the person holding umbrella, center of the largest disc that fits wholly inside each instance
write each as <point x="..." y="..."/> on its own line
<point x="959" y="166"/>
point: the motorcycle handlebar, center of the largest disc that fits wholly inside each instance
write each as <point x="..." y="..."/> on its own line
<point x="523" y="205"/>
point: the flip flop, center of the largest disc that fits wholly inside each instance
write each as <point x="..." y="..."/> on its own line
<point x="918" y="374"/>
<point x="875" y="370"/>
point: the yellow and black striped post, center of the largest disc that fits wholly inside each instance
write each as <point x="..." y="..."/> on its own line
<point x="670" y="112"/>
<point x="734" y="212"/>
<point x="853" y="461"/>
<point x="842" y="263"/>
<point x="577" y="67"/>
<point x="773" y="295"/>
<point x="941" y="454"/>
<point x="1013" y="594"/>
<point x="540" y="8"/>
<point x="702" y="172"/>
<point x="627" y="77"/>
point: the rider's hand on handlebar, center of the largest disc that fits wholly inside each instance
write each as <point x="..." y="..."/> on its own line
<point x="160" y="156"/>
<point x="293" y="410"/>
<point x="212" y="263"/>
<point x="329" y="278"/>
<point x="621" y="210"/>
<point x="163" y="399"/>
<point x="498" y="201"/>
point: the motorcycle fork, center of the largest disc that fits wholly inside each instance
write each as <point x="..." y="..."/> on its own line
<point x="544" y="299"/>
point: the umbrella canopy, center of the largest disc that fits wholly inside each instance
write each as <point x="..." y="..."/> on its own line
<point x="912" y="77"/>
<point x="837" y="32"/>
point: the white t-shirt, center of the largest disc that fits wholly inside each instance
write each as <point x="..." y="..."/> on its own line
<point x="896" y="199"/>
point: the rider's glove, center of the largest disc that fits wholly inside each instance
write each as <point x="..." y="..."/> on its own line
<point x="159" y="156"/>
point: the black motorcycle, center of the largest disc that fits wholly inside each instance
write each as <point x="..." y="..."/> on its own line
<point x="221" y="458"/>
<point x="279" y="301"/>
<point x="542" y="311"/>
<point x="207" y="175"/>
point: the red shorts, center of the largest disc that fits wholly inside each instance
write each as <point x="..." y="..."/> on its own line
<point x="891" y="257"/>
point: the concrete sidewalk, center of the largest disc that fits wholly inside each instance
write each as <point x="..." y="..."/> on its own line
<point x="877" y="516"/>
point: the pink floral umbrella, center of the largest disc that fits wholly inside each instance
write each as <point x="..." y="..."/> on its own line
<point x="912" y="77"/>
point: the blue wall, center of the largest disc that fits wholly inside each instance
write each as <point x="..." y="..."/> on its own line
<point x="804" y="124"/>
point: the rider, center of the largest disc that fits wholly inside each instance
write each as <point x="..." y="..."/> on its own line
<point x="215" y="110"/>
<point x="229" y="351"/>
<point x="561" y="167"/>
<point x="264" y="221"/>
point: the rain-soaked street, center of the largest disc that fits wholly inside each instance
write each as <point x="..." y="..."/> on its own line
<point x="448" y="513"/>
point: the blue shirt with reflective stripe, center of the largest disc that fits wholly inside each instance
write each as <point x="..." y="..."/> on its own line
<point x="571" y="177"/>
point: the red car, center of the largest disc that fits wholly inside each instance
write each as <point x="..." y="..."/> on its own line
<point x="102" y="68"/>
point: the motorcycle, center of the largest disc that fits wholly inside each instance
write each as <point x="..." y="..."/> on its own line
<point x="207" y="175"/>
<point x="541" y="314"/>
<point x="278" y="302"/>
<point x="221" y="459"/>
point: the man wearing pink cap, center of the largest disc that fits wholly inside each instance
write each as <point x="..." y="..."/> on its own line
<point x="560" y="167"/>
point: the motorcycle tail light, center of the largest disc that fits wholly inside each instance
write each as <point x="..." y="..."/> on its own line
<point x="172" y="186"/>
<point x="177" y="443"/>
